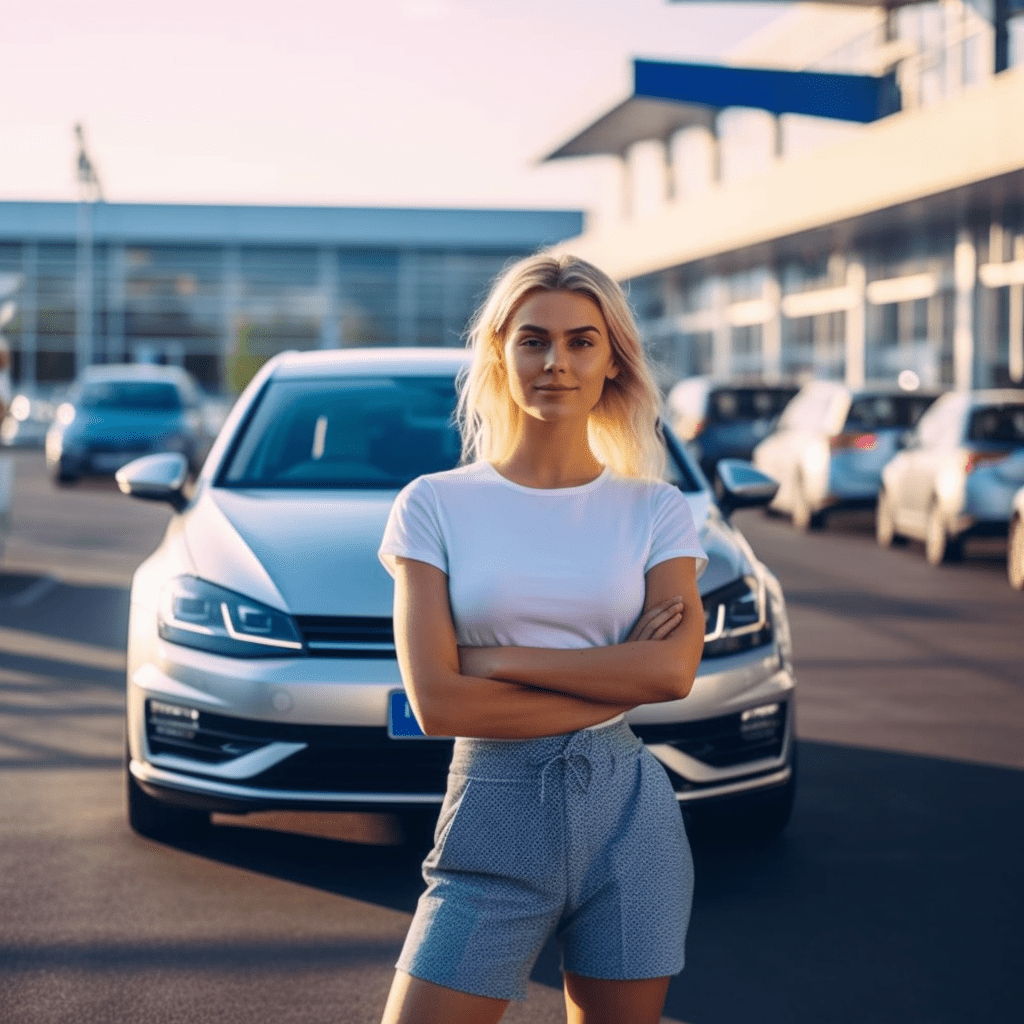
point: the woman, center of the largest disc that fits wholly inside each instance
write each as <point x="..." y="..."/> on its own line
<point x="542" y="589"/>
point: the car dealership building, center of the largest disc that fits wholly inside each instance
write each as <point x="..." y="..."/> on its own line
<point x="844" y="199"/>
<point x="208" y="286"/>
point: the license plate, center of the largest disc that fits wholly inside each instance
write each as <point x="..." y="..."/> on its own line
<point x="402" y="724"/>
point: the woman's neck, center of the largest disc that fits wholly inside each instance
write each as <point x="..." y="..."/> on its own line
<point x="545" y="456"/>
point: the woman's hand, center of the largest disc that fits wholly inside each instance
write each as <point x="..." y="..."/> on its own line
<point x="658" y="622"/>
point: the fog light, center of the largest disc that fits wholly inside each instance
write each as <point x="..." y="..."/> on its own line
<point x="173" y="721"/>
<point x="760" y="722"/>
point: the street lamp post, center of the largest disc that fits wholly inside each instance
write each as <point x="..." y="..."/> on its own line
<point x="89" y="193"/>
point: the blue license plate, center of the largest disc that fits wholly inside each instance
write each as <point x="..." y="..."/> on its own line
<point x="402" y="724"/>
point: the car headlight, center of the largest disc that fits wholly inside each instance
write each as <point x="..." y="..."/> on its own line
<point x="195" y="613"/>
<point x="736" y="618"/>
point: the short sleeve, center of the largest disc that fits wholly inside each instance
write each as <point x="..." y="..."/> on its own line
<point x="414" y="529"/>
<point x="673" y="533"/>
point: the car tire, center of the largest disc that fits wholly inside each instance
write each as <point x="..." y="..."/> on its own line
<point x="744" y="820"/>
<point x="885" y="523"/>
<point x="156" y="820"/>
<point x="939" y="547"/>
<point x="803" y="516"/>
<point x="1015" y="553"/>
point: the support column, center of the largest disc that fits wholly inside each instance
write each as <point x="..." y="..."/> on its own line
<point x="1001" y="27"/>
<point x="116" y="292"/>
<point x="771" y="331"/>
<point x="1016" y="338"/>
<point x="965" y="272"/>
<point x="716" y="153"/>
<point x="721" y="332"/>
<point x="327" y="284"/>
<point x="84" y="288"/>
<point x="669" y="193"/>
<point x="856" y="324"/>
<point x="29" y="312"/>
<point x="231" y="293"/>
<point x="408" y="276"/>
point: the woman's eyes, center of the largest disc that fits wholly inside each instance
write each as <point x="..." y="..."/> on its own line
<point x="577" y="342"/>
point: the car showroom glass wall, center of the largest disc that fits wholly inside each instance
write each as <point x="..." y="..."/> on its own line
<point x="164" y="290"/>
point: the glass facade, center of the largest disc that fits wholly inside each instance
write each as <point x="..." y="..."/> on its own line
<point x="208" y="305"/>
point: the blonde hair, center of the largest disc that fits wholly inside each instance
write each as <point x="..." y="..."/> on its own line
<point x="623" y="429"/>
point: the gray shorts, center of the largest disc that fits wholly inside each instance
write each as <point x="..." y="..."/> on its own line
<point x="578" y="834"/>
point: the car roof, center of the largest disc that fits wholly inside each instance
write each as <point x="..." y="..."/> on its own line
<point x="369" y="362"/>
<point x="134" y="371"/>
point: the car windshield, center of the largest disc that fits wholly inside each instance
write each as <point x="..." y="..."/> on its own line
<point x="137" y="395"/>
<point x="1001" y="424"/>
<point x="366" y="432"/>
<point x="728" y="404"/>
<point x="360" y="433"/>
<point x="887" y="412"/>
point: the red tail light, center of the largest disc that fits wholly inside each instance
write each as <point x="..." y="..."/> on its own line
<point x="856" y="441"/>
<point x="972" y="460"/>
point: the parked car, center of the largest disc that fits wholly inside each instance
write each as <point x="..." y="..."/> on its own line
<point x="957" y="474"/>
<point x="261" y="660"/>
<point x="722" y="420"/>
<point x="28" y="419"/>
<point x="114" y="413"/>
<point x="830" y="445"/>
<point x="1015" y="543"/>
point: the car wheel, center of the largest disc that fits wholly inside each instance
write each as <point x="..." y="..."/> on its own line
<point x="1015" y="554"/>
<point x="939" y="547"/>
<point x="749" y="819"/>
<point x="156" y="820"/>
<point x="64" y="479"/>
<point x="885" y="523"/>
<point x="803" y="515"/>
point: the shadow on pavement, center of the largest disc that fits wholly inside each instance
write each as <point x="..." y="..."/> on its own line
<point x="894" y="896"/>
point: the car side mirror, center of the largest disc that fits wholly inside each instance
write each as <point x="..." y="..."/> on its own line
<point x="156" y="478"/>
<point x="739" y="484"/>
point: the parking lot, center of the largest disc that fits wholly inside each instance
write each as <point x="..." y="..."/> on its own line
<point x="894" y="895"/>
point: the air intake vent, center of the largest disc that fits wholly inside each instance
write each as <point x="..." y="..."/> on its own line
<point x="347" y="636"/>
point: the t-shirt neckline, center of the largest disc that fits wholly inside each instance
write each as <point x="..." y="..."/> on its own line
<point x="555" y="491"/>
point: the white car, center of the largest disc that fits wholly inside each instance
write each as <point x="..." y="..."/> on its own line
<point x="261" y="661"/>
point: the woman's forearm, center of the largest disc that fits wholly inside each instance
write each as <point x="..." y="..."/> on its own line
<point x="640" y="672"/>
<point x="451" y="704"/>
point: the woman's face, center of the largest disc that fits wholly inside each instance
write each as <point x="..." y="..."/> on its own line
<point x="558" y="356"/>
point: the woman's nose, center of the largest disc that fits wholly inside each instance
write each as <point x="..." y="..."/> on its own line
<point x="555" y="358"/>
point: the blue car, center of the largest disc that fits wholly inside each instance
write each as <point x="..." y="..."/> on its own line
<point x="113" y="414"/>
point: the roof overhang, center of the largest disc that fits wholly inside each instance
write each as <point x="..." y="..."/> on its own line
<point x="668" y="96"/>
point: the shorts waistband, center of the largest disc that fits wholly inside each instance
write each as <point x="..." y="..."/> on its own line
<point x="528" y="759"/>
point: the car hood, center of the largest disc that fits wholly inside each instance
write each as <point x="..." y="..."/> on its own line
<point x="315" y="552"/>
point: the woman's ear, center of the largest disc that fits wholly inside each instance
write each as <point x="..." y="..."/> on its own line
<point x="613" y="371"/>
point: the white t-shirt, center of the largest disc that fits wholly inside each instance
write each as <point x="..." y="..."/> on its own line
<point x="530" y="567"/>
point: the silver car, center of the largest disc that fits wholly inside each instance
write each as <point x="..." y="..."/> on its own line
<point x="261" y="660"/>
<point x="956" y="475"/>
<point x="830" y="444"/>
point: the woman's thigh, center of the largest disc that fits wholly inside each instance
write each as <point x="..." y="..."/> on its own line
<point x="415" y="1001"/>
<point x="597" y="1001"/>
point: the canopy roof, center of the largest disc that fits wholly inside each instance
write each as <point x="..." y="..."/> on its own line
<point x="668" y="96"/>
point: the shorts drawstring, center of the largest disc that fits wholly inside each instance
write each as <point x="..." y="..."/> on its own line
<point x="575" y="756"/>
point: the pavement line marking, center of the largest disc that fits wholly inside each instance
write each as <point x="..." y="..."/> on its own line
<point x="39" y="645"/>
<point x="33" y="592"/>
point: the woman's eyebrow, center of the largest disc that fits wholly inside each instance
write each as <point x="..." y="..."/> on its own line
<point x="534" y="329"/>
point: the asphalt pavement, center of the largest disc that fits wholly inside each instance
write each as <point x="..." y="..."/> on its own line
<point x="895" y="895"/>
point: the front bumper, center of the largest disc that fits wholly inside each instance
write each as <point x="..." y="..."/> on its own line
<point x="250" y="749"/>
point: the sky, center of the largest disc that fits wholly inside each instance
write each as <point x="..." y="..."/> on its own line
<point x="331" y="102"/>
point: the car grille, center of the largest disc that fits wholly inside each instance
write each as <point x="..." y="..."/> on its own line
<point x="365" y="759"/>
<point x="722" y="742"/>
<point x="337" y="758"/>
<point x="347" y="636"/>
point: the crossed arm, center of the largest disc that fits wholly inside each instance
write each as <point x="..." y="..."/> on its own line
<point x="523" y="692"/>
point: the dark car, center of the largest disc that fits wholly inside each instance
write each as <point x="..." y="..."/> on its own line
<point x="113" y="414"/>
<point x="724" y="421"/>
